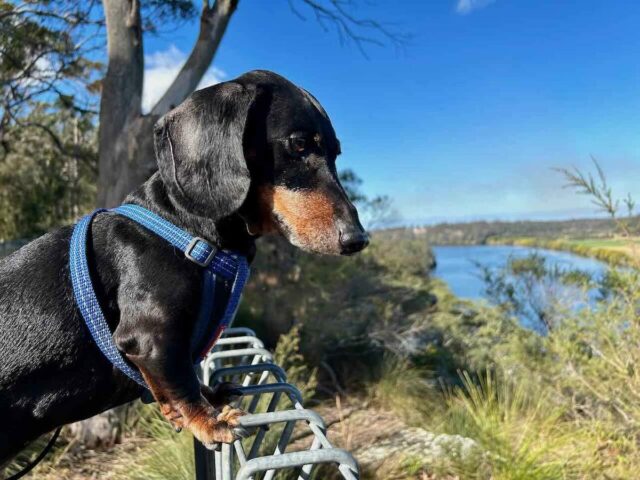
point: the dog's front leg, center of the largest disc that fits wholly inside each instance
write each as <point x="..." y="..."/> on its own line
<point x="179" y="394"/>
<point x="164" y="361"/>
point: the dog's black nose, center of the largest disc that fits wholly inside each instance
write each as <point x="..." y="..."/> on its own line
<point x="352" y="241"/>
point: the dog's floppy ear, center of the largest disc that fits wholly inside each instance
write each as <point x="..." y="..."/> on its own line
<point x="199" y="149"/>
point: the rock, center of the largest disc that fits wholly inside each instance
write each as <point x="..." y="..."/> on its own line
<point x="379" y="438"/>
<point x="417" y="443"/>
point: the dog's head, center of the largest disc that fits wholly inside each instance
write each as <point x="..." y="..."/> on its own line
<point x="263" y="148"/>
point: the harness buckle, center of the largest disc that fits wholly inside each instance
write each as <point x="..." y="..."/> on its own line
<point x="192" y="244"/>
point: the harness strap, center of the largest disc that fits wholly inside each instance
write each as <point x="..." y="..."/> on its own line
<point x="202" y="327"/>
<point x="240" y="280"/>
<point x="88" y="301"/>
<point x="195" y="249"/>
<point x="230" y="266"/>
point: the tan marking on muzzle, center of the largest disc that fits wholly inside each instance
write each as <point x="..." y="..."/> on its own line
<point x="307" y="216"/>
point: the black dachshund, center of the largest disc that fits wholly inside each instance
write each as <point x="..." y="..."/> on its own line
<point x="243" y="158"/>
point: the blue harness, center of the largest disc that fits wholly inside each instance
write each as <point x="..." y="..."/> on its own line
<point x="229" y="266"/>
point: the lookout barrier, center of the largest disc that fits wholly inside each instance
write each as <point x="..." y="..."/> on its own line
<point x="289" y="438"/>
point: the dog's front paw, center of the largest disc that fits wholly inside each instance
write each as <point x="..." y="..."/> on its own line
<point x="231" y="416"/>
<point x="213" y="426"/>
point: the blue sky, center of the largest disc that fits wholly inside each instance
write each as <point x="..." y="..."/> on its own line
<point x="468" y="121"/>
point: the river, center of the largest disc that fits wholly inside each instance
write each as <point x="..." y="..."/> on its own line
<point x="456" y="265"/>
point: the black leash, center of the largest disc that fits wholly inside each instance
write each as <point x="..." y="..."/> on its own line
<point x="39" y="458"/>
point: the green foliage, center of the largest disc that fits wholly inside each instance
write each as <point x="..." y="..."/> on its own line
<point x="47" y="132"/>
<point x="563" y="405"/>
<point x="46" y="180"/>
<point x="597" y="188"/>
<point x="401" y="254"/>
<point x="539" y="295"/>
<point x="167" y="455"/>
<point x="49" y="51"/>
<point x="288" y="356"/>
<point x="404" y="388"/>
<point x="520" y="428"/>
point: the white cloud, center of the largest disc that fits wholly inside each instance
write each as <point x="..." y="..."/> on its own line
<point x="162" y="67"/>
<point x="41" y="72"/>
<point x="464" y="7"/>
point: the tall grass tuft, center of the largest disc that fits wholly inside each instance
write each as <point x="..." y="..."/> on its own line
<point x="404" y="389"/>
<point x="522" y="430"/>
<point x="167" y="456"/>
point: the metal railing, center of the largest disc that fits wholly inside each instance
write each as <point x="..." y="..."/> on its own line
<point x="274" y="410"/>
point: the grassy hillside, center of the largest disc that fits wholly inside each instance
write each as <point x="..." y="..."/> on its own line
<point x="613" y="251"/>
<point x="627" y="246"/>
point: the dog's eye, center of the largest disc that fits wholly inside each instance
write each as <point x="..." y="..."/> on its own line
<point x="298" y="144"/>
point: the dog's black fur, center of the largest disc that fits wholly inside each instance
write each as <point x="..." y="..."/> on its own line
<point x="236" y="160"/>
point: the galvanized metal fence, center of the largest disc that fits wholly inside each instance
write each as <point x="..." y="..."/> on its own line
<point x="275" y="410"/>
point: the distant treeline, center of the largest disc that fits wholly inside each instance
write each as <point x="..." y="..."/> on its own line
<point x="480" y="233"/>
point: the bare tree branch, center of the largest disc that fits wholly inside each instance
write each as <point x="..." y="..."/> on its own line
<point x="598" y="189"/>
<point x="213" y="24"/>
<point x="602" y="196"/>
<point x="351" y="28"/>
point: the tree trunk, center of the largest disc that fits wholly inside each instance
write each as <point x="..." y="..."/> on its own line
<point x="126" y="155"/>
<point x="127" y="160"/>
<point x="120" y="104"/>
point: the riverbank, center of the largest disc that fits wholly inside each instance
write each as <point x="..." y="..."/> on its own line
<point x="612" y="251"/>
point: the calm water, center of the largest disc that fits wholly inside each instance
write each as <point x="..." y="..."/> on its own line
<point x="456" y="264"/>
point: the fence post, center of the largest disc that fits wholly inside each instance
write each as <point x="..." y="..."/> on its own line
<point x="205" y="468"/>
